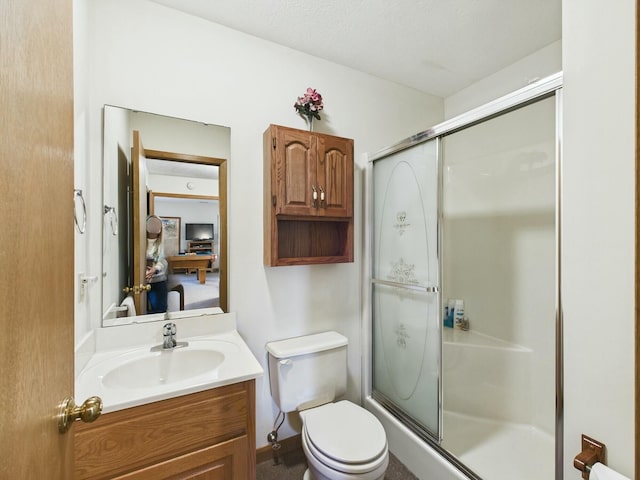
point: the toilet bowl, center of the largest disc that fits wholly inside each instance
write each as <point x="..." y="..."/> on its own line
<point x="343" y="441"/>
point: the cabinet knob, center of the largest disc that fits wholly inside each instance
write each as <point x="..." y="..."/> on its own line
<point x="315" y="196"/>
<point x="321" y="197"/>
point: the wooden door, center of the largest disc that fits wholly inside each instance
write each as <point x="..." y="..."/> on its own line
<point x="335" y="176"/>
<point x="37" y="236"/>
<point x="140" y="209"/>
<point x="294" y="172"/>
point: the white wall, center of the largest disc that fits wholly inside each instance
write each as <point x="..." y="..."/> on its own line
<point x="191" y="211"/>
<point x="540" y="64"/>
<point x="169" y="134"/>
<point x="598" y="227"/>
<point x="117" y="138"/>
<point x="206" y="187"/>
<point x="216" y="74"/>
<point x="154" y="59"/>
<point x="85" y="177"/>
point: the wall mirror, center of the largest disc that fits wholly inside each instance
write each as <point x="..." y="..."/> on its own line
<point x="176" y="170"/>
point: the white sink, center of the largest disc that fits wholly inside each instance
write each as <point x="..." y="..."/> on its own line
<point x="137" y="375"/>
<point x="150" y="369"/>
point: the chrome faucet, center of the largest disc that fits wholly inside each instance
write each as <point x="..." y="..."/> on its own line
<point x="169" y="339"/>
<point x="169" y="336"/>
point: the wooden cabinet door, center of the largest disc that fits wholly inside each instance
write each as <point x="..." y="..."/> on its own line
<point x="174" y="438"/>
<point x="300" y="227"/>
<point x="335" y="176"/>
<point x="224" y="461"/>
<point x="312" y="174"/>
<point x="294" y="174"/>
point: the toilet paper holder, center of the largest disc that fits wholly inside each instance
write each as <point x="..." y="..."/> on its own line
<point x="592" y="451"/>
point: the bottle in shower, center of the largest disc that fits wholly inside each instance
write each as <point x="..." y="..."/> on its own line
<point x="458" y="314"/>
<point x="447" y="319"/>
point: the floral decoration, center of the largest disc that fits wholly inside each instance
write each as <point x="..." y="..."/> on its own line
<point x="309" y="104"/>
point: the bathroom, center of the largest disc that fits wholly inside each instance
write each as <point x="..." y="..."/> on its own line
<point x="123" y="62"/>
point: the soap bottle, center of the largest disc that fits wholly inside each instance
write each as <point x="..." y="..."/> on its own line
<point x="458" y="313"/>
<point x="447" y="319"/>
<point x="452" y="304"/>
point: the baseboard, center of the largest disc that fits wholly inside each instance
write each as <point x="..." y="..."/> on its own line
<point x="287" y="445"/>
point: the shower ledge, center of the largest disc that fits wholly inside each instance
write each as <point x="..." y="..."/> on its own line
<point x="474" y="339"/>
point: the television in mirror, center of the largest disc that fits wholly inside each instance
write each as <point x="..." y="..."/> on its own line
<point x="199" y="231"/>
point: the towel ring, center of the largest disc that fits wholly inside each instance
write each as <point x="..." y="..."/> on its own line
<point x="77" y="193"/>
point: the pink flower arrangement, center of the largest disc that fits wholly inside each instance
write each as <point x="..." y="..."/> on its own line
<point x="309" y="104"/>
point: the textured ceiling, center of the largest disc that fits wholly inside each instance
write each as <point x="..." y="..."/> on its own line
<point x="435" y="46"/>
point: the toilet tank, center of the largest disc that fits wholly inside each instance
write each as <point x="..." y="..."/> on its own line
<point x="307" y="371"/>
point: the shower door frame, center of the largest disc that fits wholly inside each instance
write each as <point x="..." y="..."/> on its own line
<point x="548" y="87"/>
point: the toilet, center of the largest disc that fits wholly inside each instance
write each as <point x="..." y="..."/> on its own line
<point x="341" y="440"/>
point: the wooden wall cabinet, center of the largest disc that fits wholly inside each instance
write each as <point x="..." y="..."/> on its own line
<point x="308" y="197"/>
<point x="203" y="436"/>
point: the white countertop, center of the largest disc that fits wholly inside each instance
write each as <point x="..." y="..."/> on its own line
<point x="116" y="346"/>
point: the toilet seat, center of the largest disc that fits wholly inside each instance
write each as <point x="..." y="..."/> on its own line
<point x="345" y="437"/>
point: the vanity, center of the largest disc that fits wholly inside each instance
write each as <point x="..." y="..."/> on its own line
<point x="186" y="412"/>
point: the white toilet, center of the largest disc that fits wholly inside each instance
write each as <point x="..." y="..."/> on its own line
<point x="342" y="441"/>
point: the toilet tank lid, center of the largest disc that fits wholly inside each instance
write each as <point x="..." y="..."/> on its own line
<point x="292" y="347"/>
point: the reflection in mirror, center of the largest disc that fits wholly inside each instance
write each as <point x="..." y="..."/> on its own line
<point x="174" y="169"/>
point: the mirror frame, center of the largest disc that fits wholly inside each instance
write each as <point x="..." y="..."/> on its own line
<point x="637" y="250"/>
<point x="221" y="163"/>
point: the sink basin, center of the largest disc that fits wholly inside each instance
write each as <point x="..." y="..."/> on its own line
<point x="163" y="367"/>
<point x="140" y="373"/>
<point x="146" y="368"/>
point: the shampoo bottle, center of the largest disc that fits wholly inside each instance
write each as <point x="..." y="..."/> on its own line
<point x="458" y="313"/>
<point x="451" y="307"/>
<point x="447" y="319"/>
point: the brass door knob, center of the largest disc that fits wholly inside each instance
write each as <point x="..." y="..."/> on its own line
<point x="69" y="412"/>
<point x="137" y="289"/>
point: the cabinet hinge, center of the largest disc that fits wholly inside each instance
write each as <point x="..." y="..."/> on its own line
<point x="273" y="200"/>
<point x="274" y="142"/>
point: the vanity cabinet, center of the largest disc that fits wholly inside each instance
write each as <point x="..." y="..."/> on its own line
<point x="208" y="435"/>
<point x="308" y="197"/>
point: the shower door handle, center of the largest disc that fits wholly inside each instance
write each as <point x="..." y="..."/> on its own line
<point x="408" y="286"/>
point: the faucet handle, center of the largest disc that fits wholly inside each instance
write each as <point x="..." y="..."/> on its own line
<point x="169" y="329"/>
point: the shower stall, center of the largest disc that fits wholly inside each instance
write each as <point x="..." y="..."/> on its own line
<point x="465" y="324"/>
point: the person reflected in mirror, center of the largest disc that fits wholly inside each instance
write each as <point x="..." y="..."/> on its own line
<point x="157" y="266"/>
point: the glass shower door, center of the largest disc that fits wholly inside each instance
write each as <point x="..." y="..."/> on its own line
<point x="405" y="286"/>
<point x="499" y="235"/>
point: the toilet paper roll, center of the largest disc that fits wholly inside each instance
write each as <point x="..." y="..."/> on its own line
<point x="602" y="472"/>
